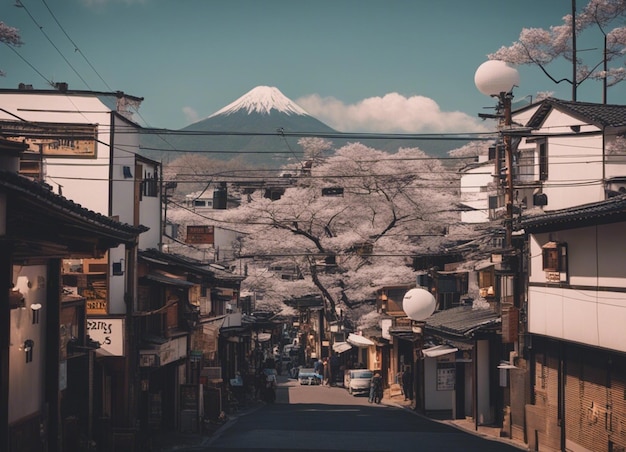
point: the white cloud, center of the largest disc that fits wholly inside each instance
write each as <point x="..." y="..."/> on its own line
<point x="392" y="113"/>
<point x="191" y="115"/>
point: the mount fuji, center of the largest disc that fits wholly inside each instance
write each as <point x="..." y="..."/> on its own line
<point x="230" y="132"/>
<point x="247" y="128"/>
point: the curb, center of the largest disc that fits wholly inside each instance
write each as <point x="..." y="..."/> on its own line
<point x="503" y="440"/>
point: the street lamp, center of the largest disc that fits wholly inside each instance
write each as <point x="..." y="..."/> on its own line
<point x="497" y="79"/>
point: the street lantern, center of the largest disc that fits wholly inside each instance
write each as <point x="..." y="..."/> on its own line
<point x="418" y="304"/>
<point x="494" y="77"/>
<point x="497" y="79"/>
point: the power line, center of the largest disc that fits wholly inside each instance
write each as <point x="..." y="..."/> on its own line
<point x="49" y="82"/>
<point x="21" y="5"/>
<point x="76" y="48"/>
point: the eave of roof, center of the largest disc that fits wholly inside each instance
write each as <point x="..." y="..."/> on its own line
<point x="33" y="196"/>
<point x="462" y="321"/>
<point x="611" y="210"/>
<point x="189" y="264"/>
<point x="601" y="115"/>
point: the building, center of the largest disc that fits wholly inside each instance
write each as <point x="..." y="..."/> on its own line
<point x="568" y="168"/>
<point x="85" y="145"/>
<point x="46" y="402"/>
<point x="576" y="314"/>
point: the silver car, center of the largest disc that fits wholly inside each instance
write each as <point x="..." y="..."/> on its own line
<point x="357" y="381"/>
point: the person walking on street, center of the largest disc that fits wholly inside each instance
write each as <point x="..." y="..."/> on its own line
<point x="407" y="384"/>
<point x="376" y="388"/>
<point x="326" y="374"/>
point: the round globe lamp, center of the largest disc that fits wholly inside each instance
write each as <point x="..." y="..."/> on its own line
<point x="418" y="304"/>
<point x="494" y="77"/>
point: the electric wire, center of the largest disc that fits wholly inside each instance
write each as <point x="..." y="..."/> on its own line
<point x="41" y="28"/>
<point x="76" y="48"/>
<point x="14" y="50"/>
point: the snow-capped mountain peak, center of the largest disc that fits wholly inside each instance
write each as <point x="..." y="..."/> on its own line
<point x="262" y="99"/>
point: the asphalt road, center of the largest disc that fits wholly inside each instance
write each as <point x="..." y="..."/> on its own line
<point x="317" y="418"/>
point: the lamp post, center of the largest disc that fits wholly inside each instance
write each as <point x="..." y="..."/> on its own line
<point x="418" y="304"/>
<point x="497" y="79"/>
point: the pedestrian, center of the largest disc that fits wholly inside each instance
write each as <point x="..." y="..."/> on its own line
<point x="316" y="365"/>
<point x="407" y="384"/>
<point x="376" y="388"/>
<point x="320" y="371"/>
<point x="270" y="388"/>
<point x="326" y="374"/>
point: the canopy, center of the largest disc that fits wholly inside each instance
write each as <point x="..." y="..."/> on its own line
<point x="359" y="341"/>
<point x="340" y="347"/>
<point x="438" y="350"/>
<point x="263" y="337"/>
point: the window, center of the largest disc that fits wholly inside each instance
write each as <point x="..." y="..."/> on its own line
<point x="149" y="185"/>
<point x="526" y="165"/>
<point x="487" y="282"/>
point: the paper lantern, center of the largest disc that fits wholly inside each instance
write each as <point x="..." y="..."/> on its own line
<point x="418" y="304"/>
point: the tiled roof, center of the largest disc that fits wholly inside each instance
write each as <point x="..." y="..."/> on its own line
<point x="42" y="195"/>
<point x="609" y="211"/>
<point x="461" y="321"/>
<point x="192" y="265"/>
<point x="602" y="115"/>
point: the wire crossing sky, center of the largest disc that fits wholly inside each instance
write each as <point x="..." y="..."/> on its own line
<point x="360" y="66"/>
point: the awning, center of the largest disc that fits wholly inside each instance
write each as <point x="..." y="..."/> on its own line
<point x="506" y="365"/>
<point x="439" y="350"/>
<point x="359" y="341"/>
<point x="340" y="347"/>
<point x="263" y="337"/>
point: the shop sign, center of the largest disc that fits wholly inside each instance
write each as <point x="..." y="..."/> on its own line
<point x="110" y="334"/>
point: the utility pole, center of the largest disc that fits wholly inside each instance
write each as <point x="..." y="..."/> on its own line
<point x="497" y="79"/>
<point x="574" y="53"/>
<point x="505" y="99"/>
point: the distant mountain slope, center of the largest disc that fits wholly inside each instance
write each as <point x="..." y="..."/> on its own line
<point x="262" y="110"/>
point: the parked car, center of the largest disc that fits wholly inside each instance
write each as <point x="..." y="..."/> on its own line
<point x="308" y="376"/>
<point x="357" y="381"/>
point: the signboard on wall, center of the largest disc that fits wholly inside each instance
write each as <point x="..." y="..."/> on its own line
<point x="95" y="299"/>
<point x="200" y="235"/>
<point x="446" y="376"/>
<point x="110" y="334"/>
<point x="54" y="139"/>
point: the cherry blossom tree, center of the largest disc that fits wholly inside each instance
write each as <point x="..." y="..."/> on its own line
<point x="348" y="227"/>
<point x="9" y="36"/>
<point x="195" y="172"/>
<point x="540" y="47"/>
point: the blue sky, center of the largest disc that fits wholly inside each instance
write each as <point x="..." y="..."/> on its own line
<point x="404" y="66"/>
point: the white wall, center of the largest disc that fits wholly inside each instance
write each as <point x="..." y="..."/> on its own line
<point x="579" y="312"/>
<point x="434" y="399"/>
<point x="575" y="163"/>
<point x="474" y="194"/>
<point x="26" y="380"/>
<point x="117" y="283"/>
<point x="84" y="180"/>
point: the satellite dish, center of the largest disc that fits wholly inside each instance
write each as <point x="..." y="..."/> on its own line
<point x="418" y="304"/>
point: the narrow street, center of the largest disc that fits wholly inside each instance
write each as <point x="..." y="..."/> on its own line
<point x="307" y="418"/>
